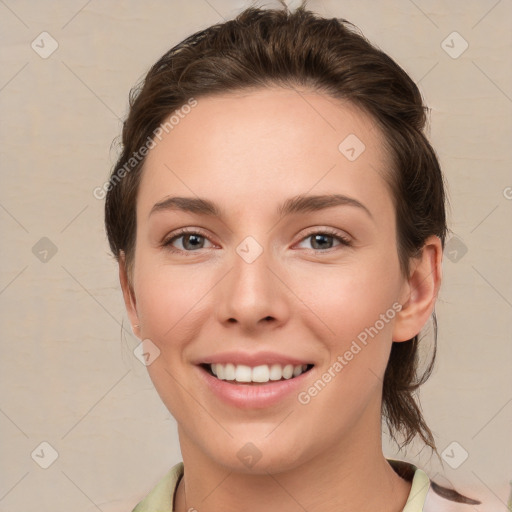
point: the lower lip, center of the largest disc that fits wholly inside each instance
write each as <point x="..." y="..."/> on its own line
<point x="253" y="396"/>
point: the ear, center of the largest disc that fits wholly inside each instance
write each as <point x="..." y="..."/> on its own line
<point x="128" y="295"/>
<point x="419" y="293"/>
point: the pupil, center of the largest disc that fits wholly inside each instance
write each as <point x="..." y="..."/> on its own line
<point x="315" y="237"/>
<point x="189" y="237"/>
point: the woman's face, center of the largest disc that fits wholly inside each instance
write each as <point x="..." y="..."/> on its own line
<point x="279" y="273"/>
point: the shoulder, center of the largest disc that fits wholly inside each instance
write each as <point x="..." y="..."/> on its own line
<point x="425" y="495"/>
<point x="436" y="503"/>
<point x="422" y="497"/>
<point x="161" y="497"/>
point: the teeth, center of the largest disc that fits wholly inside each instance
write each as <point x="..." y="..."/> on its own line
<point x="262" y="373"/>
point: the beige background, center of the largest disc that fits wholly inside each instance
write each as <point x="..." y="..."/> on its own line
<point x="68" y="376"/>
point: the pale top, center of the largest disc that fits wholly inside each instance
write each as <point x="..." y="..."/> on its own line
<point x="421" y="497"/>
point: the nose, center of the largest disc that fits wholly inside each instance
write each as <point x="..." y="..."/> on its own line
<point x="254" y="293"/>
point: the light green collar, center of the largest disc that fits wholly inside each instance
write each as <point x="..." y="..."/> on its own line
<point x="160" y="499"/>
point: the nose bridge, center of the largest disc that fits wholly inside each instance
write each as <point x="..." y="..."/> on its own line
<point x="252" y="292"/>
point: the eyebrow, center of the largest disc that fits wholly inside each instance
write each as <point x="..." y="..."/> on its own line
<point x="293" y="205"/>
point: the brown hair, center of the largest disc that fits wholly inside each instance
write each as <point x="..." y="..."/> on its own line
<point x="265" y="47"/>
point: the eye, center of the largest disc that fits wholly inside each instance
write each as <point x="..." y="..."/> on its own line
<point x="323" y="239"/>
<point x="191" y="241"/>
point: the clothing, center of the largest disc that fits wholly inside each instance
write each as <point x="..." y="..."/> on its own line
<point x="421" y="498"/>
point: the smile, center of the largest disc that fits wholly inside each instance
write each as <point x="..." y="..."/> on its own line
<point x="260" y="374"/>
<point x="236" y="387"/>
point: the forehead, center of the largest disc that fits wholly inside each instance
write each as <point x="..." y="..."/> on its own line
<point x="272" y="143"/>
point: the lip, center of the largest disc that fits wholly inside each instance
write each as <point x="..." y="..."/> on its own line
<point x="251" y="359"/>
<point x="253" y="396"/>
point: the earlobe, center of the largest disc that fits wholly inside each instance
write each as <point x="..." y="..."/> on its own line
<point x="420" y="291"/>
<point x="128" y="294"/>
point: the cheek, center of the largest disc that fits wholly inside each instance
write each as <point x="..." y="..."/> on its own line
<point x="349" y="298"/>
<point x="175" y="304"/>
<point x="356" y="306"/>
<point x="169" y="299"/>
<point x="171" y="305"/>
<point x="336" y="301"/>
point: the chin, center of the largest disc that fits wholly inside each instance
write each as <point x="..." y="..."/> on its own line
<point x="259" y="456"/>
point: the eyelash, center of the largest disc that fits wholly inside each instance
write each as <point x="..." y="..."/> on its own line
<point x="187" y="231"/>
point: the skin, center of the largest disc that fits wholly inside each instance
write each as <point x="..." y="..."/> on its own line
<point x="248" y="152"/>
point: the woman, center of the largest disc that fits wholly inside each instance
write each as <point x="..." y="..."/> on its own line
<point x="278" y="218"/>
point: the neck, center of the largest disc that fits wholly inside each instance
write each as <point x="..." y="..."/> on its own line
<point x="351" y="476"/>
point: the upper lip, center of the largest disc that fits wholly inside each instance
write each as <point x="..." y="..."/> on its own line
<point x="252" y="359"/>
